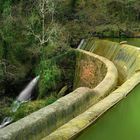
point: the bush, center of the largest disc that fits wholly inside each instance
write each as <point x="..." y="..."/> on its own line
<point x="50" y="75"/>
<point x="30" y="107"/>
<point x="56" y="73"/>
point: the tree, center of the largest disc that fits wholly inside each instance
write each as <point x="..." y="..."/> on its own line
<point x="45" y="9"/>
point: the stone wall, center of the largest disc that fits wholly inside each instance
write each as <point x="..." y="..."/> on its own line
<point x="81" y="122"/>
<point x="89" y="72"/>
<point x="127" y="60"/>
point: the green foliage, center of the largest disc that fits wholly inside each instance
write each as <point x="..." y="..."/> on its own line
<point x="77" y="32"/>
<point x="4" y="112"/>
<point x="30" y="107"/>
<point x="102" y="18"/>
<point x="57" y="42"/>
<point x="57" y="73"/>
<point x="5" y="102"/>
<point x="50" y="75"/>
<point x="25" y="108"/>
<point x="20" y="50"/>
<point x="66" y="22"/>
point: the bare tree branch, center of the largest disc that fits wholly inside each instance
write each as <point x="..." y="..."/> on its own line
<point x="45" y="7"/>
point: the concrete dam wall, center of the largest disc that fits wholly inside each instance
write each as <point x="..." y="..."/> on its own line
<point x="95" y="78"/>
<point x="125" y="57"/>
<point x="48" y="119"/>
<point x="127" y="60"/>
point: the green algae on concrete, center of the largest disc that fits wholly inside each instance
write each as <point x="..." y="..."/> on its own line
<point x="130" y="80"/>
<point x="80" y="122"/>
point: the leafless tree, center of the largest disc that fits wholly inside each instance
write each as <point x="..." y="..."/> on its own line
<point x="45" y="7"/>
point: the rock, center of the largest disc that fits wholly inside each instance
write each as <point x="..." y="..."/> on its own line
<point x="62" y="91"/>
<point x="123" y="42"/>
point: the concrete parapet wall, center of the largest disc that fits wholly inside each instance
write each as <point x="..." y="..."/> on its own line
<point x="48" y="119"/>
<point x="125" y="57"/>
<point x="90" y="71"/>
<point x="111" y="78"/>
<point x="127" y="60"/>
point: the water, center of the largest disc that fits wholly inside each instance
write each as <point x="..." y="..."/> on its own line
<point x="122" y="122"/>
<point x="24" y="96"/>
<point x="6" y="121"/>
<point x="130" y="41"/>
<point x="81" y="44"/>
<point x="125" y="58"/>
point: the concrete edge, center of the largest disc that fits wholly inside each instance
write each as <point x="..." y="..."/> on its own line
<point x="110" y="79"/>
<point x="76" y="125"/>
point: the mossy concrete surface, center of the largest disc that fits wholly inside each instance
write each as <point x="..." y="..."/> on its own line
<point x="127" y="61"/>
<point x="111" y="78"/>
<point x="90" y="71"/>
<point x="125" y="57"/>
<point x="46" y="120"/>
<point x="43" y="122"/>
<point x="76" y="125"/>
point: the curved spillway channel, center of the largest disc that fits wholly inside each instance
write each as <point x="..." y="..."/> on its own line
<point x="122" y="122"/>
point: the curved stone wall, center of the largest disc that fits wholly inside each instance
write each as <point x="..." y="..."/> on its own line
<point x="90" y="71"/>
<point x="125" y="57"/>
<point x="76" y="125"/>
<point x="131" y="77"/>
<point x="48" y="119"/>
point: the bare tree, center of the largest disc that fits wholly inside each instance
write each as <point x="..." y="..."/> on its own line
<point x="45" y="8"/>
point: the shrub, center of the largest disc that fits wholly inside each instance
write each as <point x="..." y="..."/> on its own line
<point x="30" y="107"/>
<point x="50" y="74"/>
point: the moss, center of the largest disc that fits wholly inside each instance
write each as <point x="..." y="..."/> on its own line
<point x="25" y="108"/>
<point x="4" y="112"/>
<point x="5" y="107"/>
<point x="30" y="107"/>
<point x="49" y="77"/>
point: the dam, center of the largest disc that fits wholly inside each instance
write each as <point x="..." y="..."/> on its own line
<point x="121" y="121"/>
<point x="105" y="73"/>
